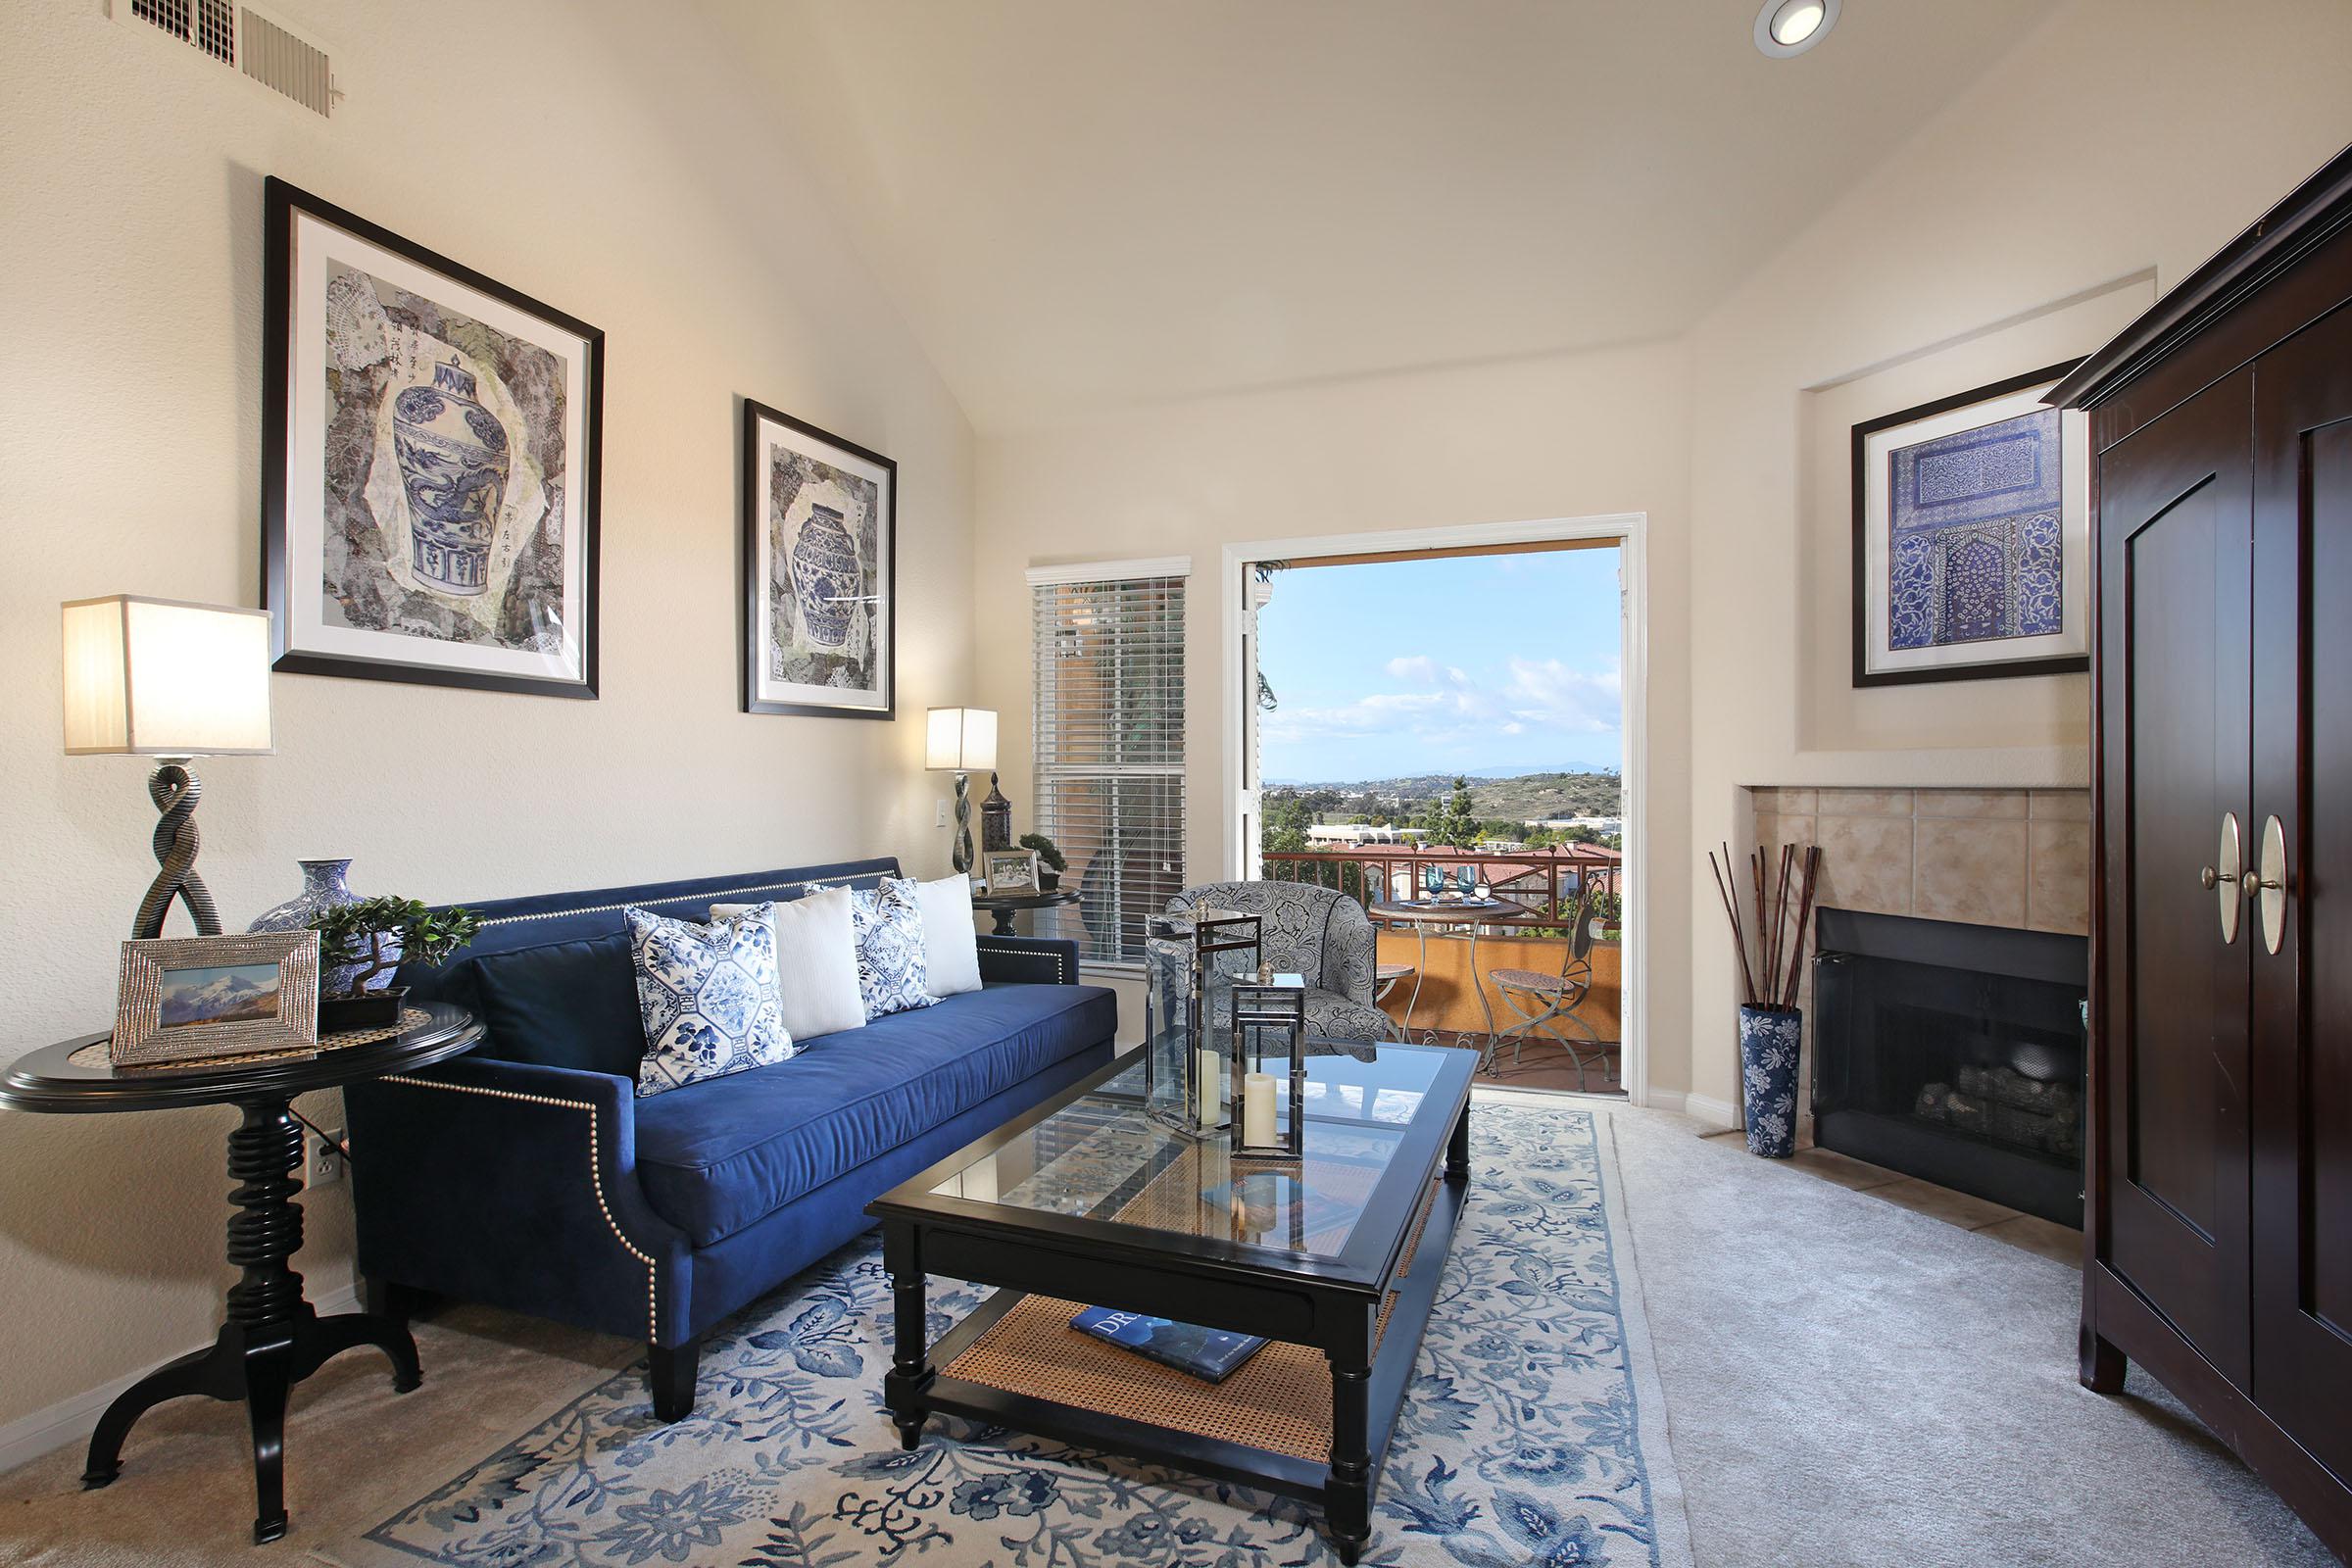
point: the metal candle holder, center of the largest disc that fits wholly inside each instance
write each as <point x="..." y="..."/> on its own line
<point x="1192" y="966"/>
<point x="1257" y="1010"/>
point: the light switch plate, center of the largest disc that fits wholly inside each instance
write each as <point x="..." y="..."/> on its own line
<point x="939" y="813"/>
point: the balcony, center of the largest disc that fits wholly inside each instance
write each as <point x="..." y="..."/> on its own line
<point x="1456" y="1003"/>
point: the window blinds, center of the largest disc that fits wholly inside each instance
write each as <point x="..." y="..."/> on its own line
<point x="1109" y="737"/>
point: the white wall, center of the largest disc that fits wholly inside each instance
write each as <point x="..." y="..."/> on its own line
<point x="1565" y="436"/>
<point x="2120" y="142"/>
<point x="593" y="161"/>
<point x="2120" y="139"/>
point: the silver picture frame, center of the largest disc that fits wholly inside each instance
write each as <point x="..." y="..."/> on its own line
<point x="180" y="999"/>
<point x="1009" y="872"/>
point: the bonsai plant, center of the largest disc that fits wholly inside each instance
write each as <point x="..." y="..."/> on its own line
<point x="1049" y="860"/>
<point x="358" y="942"/>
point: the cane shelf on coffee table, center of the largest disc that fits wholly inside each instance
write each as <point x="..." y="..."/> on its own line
<point x="270" y="1337"/>
<point x="1085" y="1202"/>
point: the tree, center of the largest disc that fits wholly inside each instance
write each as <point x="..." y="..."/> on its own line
<point x="1452" y="819"/>
<point x="1283" y="828"/>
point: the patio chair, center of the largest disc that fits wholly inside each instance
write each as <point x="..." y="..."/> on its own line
<point x="1547" y="1002"/>
<point x="1314" y="932"/>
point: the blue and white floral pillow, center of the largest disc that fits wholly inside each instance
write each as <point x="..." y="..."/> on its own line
<point x="894" y="974"/>
<point x="707" y="997"/>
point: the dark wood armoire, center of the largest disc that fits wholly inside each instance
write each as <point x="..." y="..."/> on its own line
<point x="2219" y="1249"/>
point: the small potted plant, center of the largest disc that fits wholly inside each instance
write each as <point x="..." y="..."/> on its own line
<point x="1050" y="861"/>
<point x="359" y="942"/>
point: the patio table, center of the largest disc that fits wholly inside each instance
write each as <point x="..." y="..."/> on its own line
<point x="1445" y="915"/>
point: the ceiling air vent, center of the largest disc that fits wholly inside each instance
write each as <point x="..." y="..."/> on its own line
<point x="240" y="37"/>
<point x="205" y="24"/>
<point x="275" y="58"/>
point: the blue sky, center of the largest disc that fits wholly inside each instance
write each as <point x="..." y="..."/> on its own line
<point x="1398" y="668"/>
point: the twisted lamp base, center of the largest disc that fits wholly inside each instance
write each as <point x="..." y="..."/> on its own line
<point x="175" y="792"/>
<point x="964" y="822"/>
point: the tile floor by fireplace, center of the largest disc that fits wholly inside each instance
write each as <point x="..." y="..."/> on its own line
<point x="2060" y="1243"/>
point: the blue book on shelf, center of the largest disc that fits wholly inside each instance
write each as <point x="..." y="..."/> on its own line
<point x="1208" y="1354"/>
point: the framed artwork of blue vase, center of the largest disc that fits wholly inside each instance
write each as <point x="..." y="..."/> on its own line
<point x="1972" y="537"/>
<point x="431" y="445"/>
<point x="819" y="547"/>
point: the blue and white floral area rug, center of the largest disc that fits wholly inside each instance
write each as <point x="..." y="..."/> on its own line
<point x="1534" y="1431"/>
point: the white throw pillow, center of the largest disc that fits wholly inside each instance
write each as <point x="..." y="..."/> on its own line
<point x="950" y="945"/>
<point x="816" y="961"/>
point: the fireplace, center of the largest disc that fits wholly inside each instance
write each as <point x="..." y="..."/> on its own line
<point x="1954" y="1054"/>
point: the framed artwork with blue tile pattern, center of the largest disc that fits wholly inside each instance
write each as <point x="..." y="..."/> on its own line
<point x="1972" y="537"/>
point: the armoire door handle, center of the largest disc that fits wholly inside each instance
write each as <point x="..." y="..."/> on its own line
<point x="2267" y="886"/>
<point x="2223" y="880"/>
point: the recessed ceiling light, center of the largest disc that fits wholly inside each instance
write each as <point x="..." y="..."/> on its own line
<point x="1786" y="28"/>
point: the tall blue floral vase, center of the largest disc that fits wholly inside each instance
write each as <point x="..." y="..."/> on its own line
<point x="325" y="885"/>
<point x="1768" y="1053"/>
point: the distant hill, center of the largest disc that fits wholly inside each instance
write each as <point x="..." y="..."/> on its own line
<point x="1520" y="798"/>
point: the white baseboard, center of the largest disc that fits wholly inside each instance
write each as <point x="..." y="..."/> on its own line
<point x="1699" y="1107"/>
<point x="1714" y="1113"/>
<point x="71" y="1419"/>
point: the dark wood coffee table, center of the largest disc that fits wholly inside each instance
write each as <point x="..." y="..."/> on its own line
<point x="1085" y="1202"/>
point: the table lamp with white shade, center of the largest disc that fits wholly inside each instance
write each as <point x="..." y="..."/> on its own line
<point x="155" y="677"/>
<point x="964" y="740"/>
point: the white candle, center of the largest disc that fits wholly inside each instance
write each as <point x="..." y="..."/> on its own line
<point x="1257" y="1109"/>
<point x="1212" y="1086"/>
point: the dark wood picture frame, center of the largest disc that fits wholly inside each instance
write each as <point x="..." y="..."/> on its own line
<point x="281" y="202"/>
<point x="2055" y="665"/>
<point x="752" y="573"/>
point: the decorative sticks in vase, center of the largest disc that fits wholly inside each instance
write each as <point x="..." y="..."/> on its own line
<point x="1771" y="1029"/>
<point x="1771" y="980"/>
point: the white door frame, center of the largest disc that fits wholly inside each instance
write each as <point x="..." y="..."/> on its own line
<point x="1631" y="530"/>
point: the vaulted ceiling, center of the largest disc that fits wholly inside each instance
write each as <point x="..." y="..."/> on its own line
<point x="1091" y="203"/>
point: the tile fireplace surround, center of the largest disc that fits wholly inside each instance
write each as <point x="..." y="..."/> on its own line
<point x="1989" y="857"/>
<point x="2000" y="857"/>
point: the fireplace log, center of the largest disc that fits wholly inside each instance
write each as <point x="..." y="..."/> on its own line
<point x="2048" y="1132"/>
<point x="2009" y="1087"/>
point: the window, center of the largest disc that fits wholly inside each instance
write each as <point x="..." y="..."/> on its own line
<point x="1108" y="643"/>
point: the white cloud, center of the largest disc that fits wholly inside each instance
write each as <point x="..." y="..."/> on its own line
<point x="1550" y="695"/>
<point x="1541" y="696"/>
<point x="1423" y="671"/>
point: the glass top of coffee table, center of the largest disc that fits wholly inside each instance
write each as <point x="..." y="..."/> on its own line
<point x="1096" y="1156"/>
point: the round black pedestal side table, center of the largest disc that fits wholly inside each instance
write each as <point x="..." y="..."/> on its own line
<point x="1003" y="905"/>
<point x="271" y="1338"/>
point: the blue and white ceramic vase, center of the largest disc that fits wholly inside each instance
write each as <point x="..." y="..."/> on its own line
<point x="825" y="577"/>
<point x="325" y="885"/>
<point x="453" y="466"/>
<point x="1768" y="1051"/>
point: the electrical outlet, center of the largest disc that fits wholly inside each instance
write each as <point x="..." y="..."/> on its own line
<point x="939" y="813"/>
<point x="324" y="1165"/>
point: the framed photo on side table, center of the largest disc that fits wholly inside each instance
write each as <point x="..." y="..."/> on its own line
<point x="819" y="564"/>
<point x="1972" y="537"/>
<point x="431" y="443"/>
<point x="1010" y="870"/>
<point x="186" y="997"/>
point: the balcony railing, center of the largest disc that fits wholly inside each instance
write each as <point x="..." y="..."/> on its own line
<point x="1546" y="884"/>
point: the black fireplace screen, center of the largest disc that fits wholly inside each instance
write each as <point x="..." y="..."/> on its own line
<point x="1955" y="1053"/>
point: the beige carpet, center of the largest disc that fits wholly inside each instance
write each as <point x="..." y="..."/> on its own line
<point x="1846" y="1383"/>
<point x="1852" y="1383"/>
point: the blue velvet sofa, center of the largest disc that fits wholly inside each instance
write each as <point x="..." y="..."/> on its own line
<point x="527" y="1173"/>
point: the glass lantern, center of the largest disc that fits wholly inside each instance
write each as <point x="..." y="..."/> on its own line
<point x="1191" y="964"/>
<point x="1268" y="1070"/>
